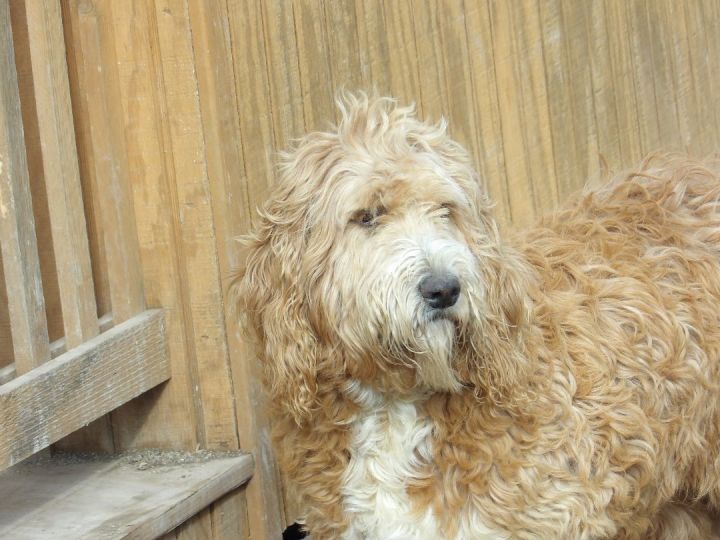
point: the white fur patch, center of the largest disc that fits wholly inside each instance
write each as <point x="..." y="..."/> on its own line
<point x="391" y="442"/>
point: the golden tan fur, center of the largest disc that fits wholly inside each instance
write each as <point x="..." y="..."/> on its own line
<point x="573" y="391"/>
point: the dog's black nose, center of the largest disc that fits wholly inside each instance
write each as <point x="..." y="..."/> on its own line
<point x="440" y="291"/>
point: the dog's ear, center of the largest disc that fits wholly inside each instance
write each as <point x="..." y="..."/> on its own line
<point x="269" y="292"/>
<point x="503" y="366"/>
<point x="268" y="302"/>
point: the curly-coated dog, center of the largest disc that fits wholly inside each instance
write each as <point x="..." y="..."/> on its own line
<point x="432" y="379"/>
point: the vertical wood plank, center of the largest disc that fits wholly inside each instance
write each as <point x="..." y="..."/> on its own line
<point x="234" y="196"/>
<point x="33" y="151"/>
<point x="641" y="56"/>
<point x="21" y="265"/>
<point x="252" y="90"/>
<point x="666" y="99"/>
<point x="404" y="60"/>
<point x="99" y="73"/>
<point x="521" y="200"/>
<point x="205" y="331"/>
<point x="51" y="101"/>
<point x="342" y="45"/>
<point x="220" y="130"/>
<point x="451" y="19"/>
<point x="491" y="162"/>
<point x="558" y="76"/>
<point x="373" y="47"/>
<point x="91" y="202"/>
<point x="431" y="71"/>
<point x="230" y="517"/>
<point x="705" y="84"/>
<point x="536" y="115"/>
<point x="283" y="72"/>
<point x="198" y="527"/>
<point x="623" y="81"/>
<point x="228" y="163"/>
<point x="315" y="74"/>
<point x="102" y="167"/>
<point x="387" y="50"/>
<point x="711" y="23"/>
<point x="225" y="167"/>
<point x="527" y="141"/>
<point x="579" y="70"/>
<point x="671" y="17"/>
<point x="570" y="93"/>
<point x="146" y="119"/>
<point x="603" y="88"/>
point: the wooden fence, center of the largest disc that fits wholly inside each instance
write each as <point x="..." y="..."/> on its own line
<point x="150" y="129"/>
<point x="48" y="278"/>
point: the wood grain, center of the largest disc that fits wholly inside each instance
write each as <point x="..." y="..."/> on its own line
<point x="146" y="123"/>
<point x="6" y="346"/>
<point x="84" y="144"/>
<point x="65" y="394"/>
<point x="318" y="87"/>
<point x="98" y="71"/>
<point x="21" y="266"/>
<point x="92" y="75"/>
<point x="288" y="117"/>
<point x="222" y="129"/>
<point x="139" y="500"/>
<point x="33" y="151"/>
<point x="491" y="159"/>
<point x="60" y="170"/>
<point x="621" y="73"/>
<point x="7" y="373"/>
<point x="401" y="66"/>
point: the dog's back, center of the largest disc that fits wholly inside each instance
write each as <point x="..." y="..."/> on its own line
<point x="629" y="306"/>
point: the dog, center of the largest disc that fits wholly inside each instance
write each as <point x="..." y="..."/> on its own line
<point x="431" y="378"/>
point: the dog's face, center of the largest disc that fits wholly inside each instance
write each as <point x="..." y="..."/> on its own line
<point x="400" y="281"/>
<point x="377" y="259"/>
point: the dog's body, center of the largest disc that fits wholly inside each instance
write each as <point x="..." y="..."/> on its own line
<point x="432" y="381"/>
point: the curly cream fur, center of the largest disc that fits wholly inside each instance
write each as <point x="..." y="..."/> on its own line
<point x="572" y="392"/>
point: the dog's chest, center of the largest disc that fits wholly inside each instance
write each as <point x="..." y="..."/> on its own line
<point x="390" y="446"/>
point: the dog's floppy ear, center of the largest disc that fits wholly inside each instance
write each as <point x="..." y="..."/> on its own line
<point x="268" y="292"/>
<point x="268" y="305"/>
<point x="502" y="363"/>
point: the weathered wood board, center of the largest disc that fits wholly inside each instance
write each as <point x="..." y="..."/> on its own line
<point x="18" y="243"/>
<point x="65" y="394"/>
<point x="133" y="496"/>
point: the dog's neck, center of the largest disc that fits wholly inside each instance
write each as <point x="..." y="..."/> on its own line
<point x="370" y="400"/>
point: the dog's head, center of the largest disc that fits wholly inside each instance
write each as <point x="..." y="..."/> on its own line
<point x="376" y="258"/>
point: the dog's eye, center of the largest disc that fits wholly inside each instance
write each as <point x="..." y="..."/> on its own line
<point x="368" y="218"/>
<point x="445" y="210"/>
